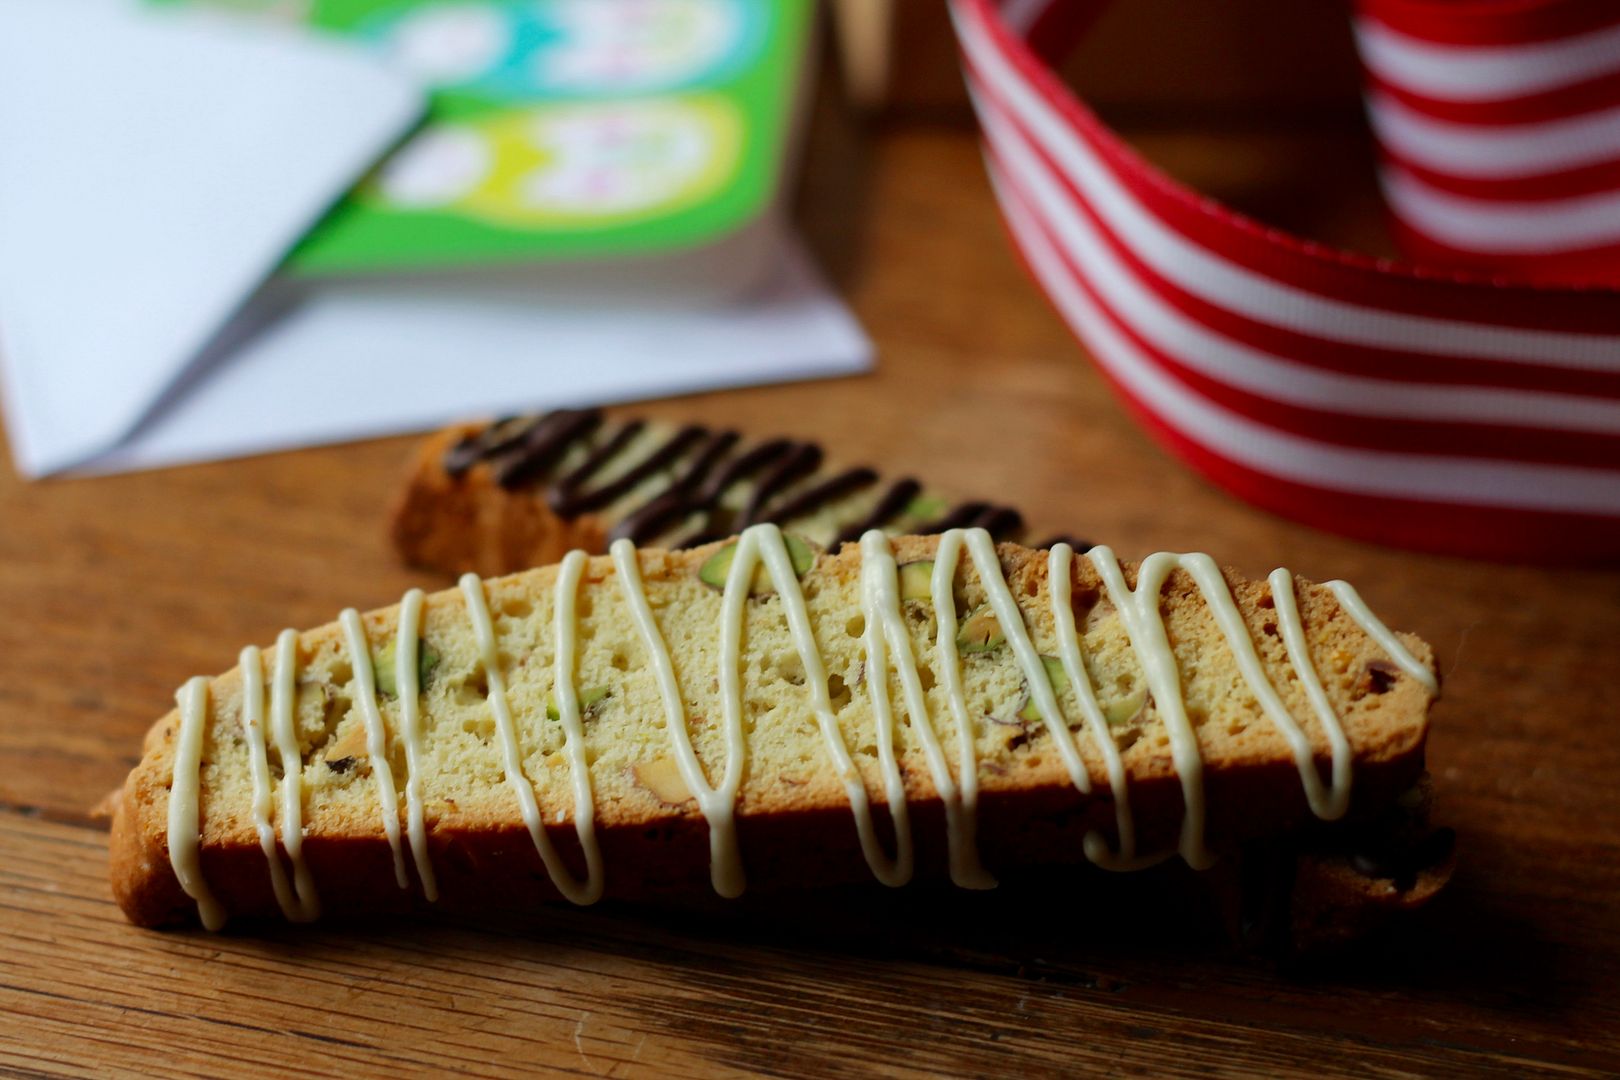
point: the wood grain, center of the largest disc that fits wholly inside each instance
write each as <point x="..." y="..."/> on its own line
<point x="115" y="590"/>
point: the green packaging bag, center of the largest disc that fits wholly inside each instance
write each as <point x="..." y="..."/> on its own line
<point x="564" y="129"/>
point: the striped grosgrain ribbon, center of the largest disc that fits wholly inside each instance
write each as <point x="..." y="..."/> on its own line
<point x="1474" y="411"/>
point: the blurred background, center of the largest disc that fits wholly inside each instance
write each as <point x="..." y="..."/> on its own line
<point x="544" y="190"/>
<point x="241" y="271"/>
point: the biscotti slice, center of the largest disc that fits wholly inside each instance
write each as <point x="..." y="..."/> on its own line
<point x="762" y="713"/>
<point x="521" y="492"/>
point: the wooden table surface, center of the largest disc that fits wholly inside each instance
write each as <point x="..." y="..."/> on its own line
<point x="113" y="591"/>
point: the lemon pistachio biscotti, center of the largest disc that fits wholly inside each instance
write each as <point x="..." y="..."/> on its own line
<point x="523" y="491"/>
<point x="761" y="713"/>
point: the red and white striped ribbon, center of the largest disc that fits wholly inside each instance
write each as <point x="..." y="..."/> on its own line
<point x="1411" y="404"/>
<point x="1500" y="131"/>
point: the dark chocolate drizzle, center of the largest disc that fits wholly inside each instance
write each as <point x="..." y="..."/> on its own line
<point x="998" y="521"/>
<point x="543" y="445"/>
<point x="896" y="499"/>
<point x="1080" y="546"/>
<point x="565" y="496"/>
<point x="525" y="451"/>
<point x="657" y="515"/>
<point x="802" y="460"/>
<point x="493" y="441"/>
<point x="812" y="499"/>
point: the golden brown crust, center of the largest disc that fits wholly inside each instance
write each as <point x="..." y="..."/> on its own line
<point x="142" y="881"/>
<point x="456" y="524"/>
<point x="802" y="838"/>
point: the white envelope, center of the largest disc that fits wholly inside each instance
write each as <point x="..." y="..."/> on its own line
<point x="154" y="170"/>
<point x="345" y="360"/>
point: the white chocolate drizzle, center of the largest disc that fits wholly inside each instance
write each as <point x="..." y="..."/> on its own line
<point x="718" y="803"/>
<point x="764" y="542"/>
<point x="875" y="600"/>
<point x="942" y="589"/>
<point x="1059" y="579"/>
<point x="1326" y="804"/>
<point x="251" y="664"/>
<point x="484" y="630"/>
<point x="382" y="774"/>
<point x="1144" y="625"/>
<point x="185" y="835"/>
<point x="407" y="683"/>
<point x="1355" y="607"/>
<point x="568" y="576"/>
<point x="887" y="646"/>
<point x="886" y="633"/>
<point x="1011" y="621"/>
<point x="1332" y="804"/>
<point x="283" y="691"/>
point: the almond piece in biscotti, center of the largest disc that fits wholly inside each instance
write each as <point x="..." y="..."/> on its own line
<point x="662" y="777"/>
<point x="341" y="754"/>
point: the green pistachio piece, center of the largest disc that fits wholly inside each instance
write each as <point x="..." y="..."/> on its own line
<point x="383" y="661"/>
<point x="382" y="668"/>
<point x="1054" y="675"/>
<point x="717" y="567"/>
<point x="917" y="581"/>
<point x="588" y="702"/>
<point x="1125" y="709"/>
<point x="980" y="632"/>
<point x="926" y="507"/>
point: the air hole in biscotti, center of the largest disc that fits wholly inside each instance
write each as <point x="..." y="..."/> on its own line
<point x="1094" y="618"/>
<point x="1034" y="761"/>
<point x="1267" y="602"/>
<point x="1032" y="587"/>
<point x="869" y="750"/>
<point x="1236" y="728"/>
<point x="621" y="662"/>
<point x="474" y="689"/>
<point x="837" y="692"/>
<point x="856" y="626"/>
<point x="481" y="726"/>
<point x="791" y="669"/>
<point x="925" y="676"/>
<point x="334" y="708"/>
<point x="1270" y="628"/>
<point x="1197" y="717"/>
<point x="1162" y="741"/>
<point x="1380" y="677"/>
<point x="584" y="605"/>
<point x="516" y="607"/>
<point x="1128" y="739"/>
